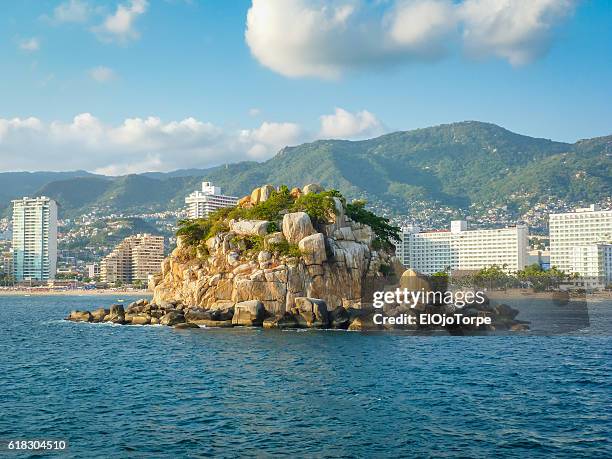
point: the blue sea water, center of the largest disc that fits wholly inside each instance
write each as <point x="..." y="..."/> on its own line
<point x="117" y="391"/>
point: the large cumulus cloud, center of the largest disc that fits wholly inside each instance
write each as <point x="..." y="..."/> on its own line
<point x="324" y="38"/>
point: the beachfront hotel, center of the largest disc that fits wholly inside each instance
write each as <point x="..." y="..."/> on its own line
<point x="34" y="239"/>
<point x="201" y="203"/>
<point x="134" y="259"/>
<point x="461" y="249"/>
<point x="579" y="243"/>
<point x="594" y="264"/>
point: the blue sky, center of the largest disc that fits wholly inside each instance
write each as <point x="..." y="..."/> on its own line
<point x="196" y="91"/>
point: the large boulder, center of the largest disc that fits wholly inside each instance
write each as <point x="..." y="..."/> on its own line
<point x="313" y="188"/>
<point x="99" y="314"/>
<point x="413" y="281"/>
<point x="313" y="249"/>
<point x="248" y="313"/>
<point x="249" y="227"/>
<point x="185" y="325"/>
<point x="172" y="318"/>
<point x="281" y="322"/>
<point x="296" y="226"/>
<point x="266" y="192"/>
<point x="339" y="318"/>
<point x="141" y="319"/>
<point x="313" y="311"/>
<point x="196" y="315"/>
<point x="80" y="316"/>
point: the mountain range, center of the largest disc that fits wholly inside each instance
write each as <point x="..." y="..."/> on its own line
<point x="454" y="165"/>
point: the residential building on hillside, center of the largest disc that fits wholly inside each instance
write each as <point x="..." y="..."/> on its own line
<point x="92" y="270"/>
<point x="583" y="227"/>
<point x="34" y="239"/>
<point x="461" y="249"/>
<point x="134" y="259"/>
<point x="201" y="203"/>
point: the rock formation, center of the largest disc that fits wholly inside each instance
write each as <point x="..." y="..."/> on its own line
<point x="287" y="272"/>
<point x="333" y="261"/>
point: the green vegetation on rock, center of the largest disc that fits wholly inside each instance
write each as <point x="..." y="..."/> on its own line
<point x="320" y="207"/>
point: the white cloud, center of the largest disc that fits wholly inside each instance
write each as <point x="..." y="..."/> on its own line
<point x="346" y="125"/>
<point x="102" y="74"/>
<point x="269" y="138"/>
<point x="151" y="144"/>
<point x="135" y="145"/>
<point x="421" y="26"/>
<point x="519" y="30"/>
<point x="325" y="38"/>
<point x="254" y="112"/>
<point x="29" y="44"/>
<point x="76" y="11"/>
<point x="120" y="26"/>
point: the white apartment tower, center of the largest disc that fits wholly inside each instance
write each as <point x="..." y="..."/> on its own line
<point x="34" y="239"/>
<point x="582" y="227"/>
<point x="201" y="203"/>
<point x="460" y="249"/>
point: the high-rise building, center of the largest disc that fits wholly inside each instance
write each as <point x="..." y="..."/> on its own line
<point x="460" y="249"/>
<point x="583" y="227"/>
<point x="594" y="264"/>
<point x="134" y="259"/>
<point x="201" y="203"/>
<point x="34" y="239"/>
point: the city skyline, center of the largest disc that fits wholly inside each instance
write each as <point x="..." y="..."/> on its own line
<point x="161" y="86"/>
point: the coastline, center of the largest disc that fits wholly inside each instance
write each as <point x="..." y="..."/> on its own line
<point x="96" y="292"/>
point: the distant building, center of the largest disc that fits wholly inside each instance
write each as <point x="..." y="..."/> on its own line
<point x="92" y="270"/>
<point x="594" y="264"/>
<point x="583" y="227"/>
<point x="463" y="250"/>
<point x="540" y="258"/>
<point x="134" y="259"/>
<point x="6" y="263"/>
<point x="202" y="203"/>
<point x="34" y="239"/>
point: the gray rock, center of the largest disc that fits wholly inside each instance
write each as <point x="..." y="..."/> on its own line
<point x="80" y="316"/>
<point x="185" y="325"/>
<point x="313" y="249"/>
<point x="312" y="310"/>
<point x="312" y="188"/>
<point x="172" y="318"/>
<point x="296" y="226"/>
<point x="248" y="313"/>
<point x="249" y="227"/>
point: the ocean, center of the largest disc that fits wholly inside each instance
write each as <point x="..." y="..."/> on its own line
<point x="134" y="391"/>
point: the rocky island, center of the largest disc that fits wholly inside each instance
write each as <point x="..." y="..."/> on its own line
<point x="299" y="258"/>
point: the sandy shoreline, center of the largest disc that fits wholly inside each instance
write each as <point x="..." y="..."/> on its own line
<point x="97" y="292"/>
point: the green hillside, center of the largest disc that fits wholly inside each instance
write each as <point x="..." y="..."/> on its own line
<point x="453" y="165"/>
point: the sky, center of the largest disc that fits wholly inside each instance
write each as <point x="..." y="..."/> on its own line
<point x="128" y="86"/>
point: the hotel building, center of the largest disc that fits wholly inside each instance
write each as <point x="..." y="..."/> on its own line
<point x="580" y="229"/>
<point x="460" y="249"/>
<point x="34" y="239"/>
<point x="202" y="203"/>
<point x="135" y="258"/>
<point x="593" y="263"/>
